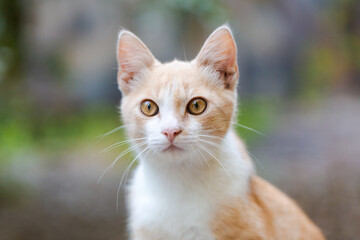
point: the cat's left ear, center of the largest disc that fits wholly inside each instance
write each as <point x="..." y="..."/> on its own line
<point x="134" y="59"/>
<point x="220" y="54"/>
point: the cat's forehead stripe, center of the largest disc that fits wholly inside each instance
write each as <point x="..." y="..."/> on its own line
<point x="173" y="89"/>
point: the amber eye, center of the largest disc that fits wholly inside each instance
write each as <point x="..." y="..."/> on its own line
<point x="149" y="108"/>
<point x="196" y="106"/>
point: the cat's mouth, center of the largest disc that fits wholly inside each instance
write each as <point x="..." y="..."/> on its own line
<point x="172" y="148"/>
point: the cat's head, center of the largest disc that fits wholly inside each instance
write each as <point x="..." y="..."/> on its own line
<point x="178" y="110"/>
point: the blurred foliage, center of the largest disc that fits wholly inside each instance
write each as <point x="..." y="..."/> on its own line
<point x="332" y="59"/>
<point x="255" y="118"/>
<point x="209" y="10"/>
<point x="320" y="70"/>
<point x="54" y="133"/>
<point x="10" y="41"/>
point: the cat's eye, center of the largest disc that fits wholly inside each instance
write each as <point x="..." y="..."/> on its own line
<point x="196" y="106"/>
<point x="149" y="108"/>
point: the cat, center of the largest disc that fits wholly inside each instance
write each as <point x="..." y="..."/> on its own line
<point x="195" y="179"/>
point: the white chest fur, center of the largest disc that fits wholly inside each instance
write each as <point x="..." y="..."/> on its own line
<point x="179" y="202"/>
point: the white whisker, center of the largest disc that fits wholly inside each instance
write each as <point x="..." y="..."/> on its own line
<point x="228" y="150"/>
<point x="124" y="176"/>
<point x="255" y="159"/>
<point x="118" y="157"/>
<point x="221" y="147"/>
<point x="249" y="128"/>
<point x="118" y="144"/>
<point x="217" y="160"/>
<point x="100" y="137"/>
<point x="209" y="136"/>
<point x="211" y="173"/>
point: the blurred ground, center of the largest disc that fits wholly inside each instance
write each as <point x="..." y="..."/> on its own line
<point x="312" y="154"/>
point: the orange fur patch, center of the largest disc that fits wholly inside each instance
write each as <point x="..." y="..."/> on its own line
<point x="265" y="213"/>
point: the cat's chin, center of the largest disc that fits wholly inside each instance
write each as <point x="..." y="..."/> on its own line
<point x="173" y="154"/>
<point x="173" y="149"/>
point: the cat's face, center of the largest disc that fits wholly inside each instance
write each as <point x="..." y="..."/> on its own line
<point x="176" y="111"/>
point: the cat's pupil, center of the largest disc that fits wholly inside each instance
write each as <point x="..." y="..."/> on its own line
<point x="196" y="105"/>
<point x="149" y="106"/>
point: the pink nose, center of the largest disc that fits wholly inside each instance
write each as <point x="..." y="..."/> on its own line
<point x="171" y="133"/>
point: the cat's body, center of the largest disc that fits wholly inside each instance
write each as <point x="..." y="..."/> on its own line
<point x="195" y="180"/>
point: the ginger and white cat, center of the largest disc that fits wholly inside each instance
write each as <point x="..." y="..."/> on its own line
<point x="195" y="179"/>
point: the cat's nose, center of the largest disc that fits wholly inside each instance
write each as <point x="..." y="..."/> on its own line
<point x="171" y="133"/>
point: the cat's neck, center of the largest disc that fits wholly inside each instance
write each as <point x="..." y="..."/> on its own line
<point x="226" y="171"/>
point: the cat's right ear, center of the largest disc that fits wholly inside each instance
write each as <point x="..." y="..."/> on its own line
<point x="133" y="58"/>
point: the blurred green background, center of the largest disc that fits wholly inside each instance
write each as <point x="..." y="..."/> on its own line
<point x="299" y="64"/>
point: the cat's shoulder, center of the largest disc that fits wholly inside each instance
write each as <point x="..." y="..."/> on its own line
<point x="265" y="213"/>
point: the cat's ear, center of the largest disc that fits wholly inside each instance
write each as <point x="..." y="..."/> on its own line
<point x="219" y="54"/>
<point x="133" y="58"/>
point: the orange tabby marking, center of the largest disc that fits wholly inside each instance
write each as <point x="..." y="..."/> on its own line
<point x="265" y="213"/>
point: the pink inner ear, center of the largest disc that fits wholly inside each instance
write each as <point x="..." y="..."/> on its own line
<point x="127" y="67"/>
<point x="219" y="52"/>
<point x="133" y="56"/>
<point x="128" y="76"/>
